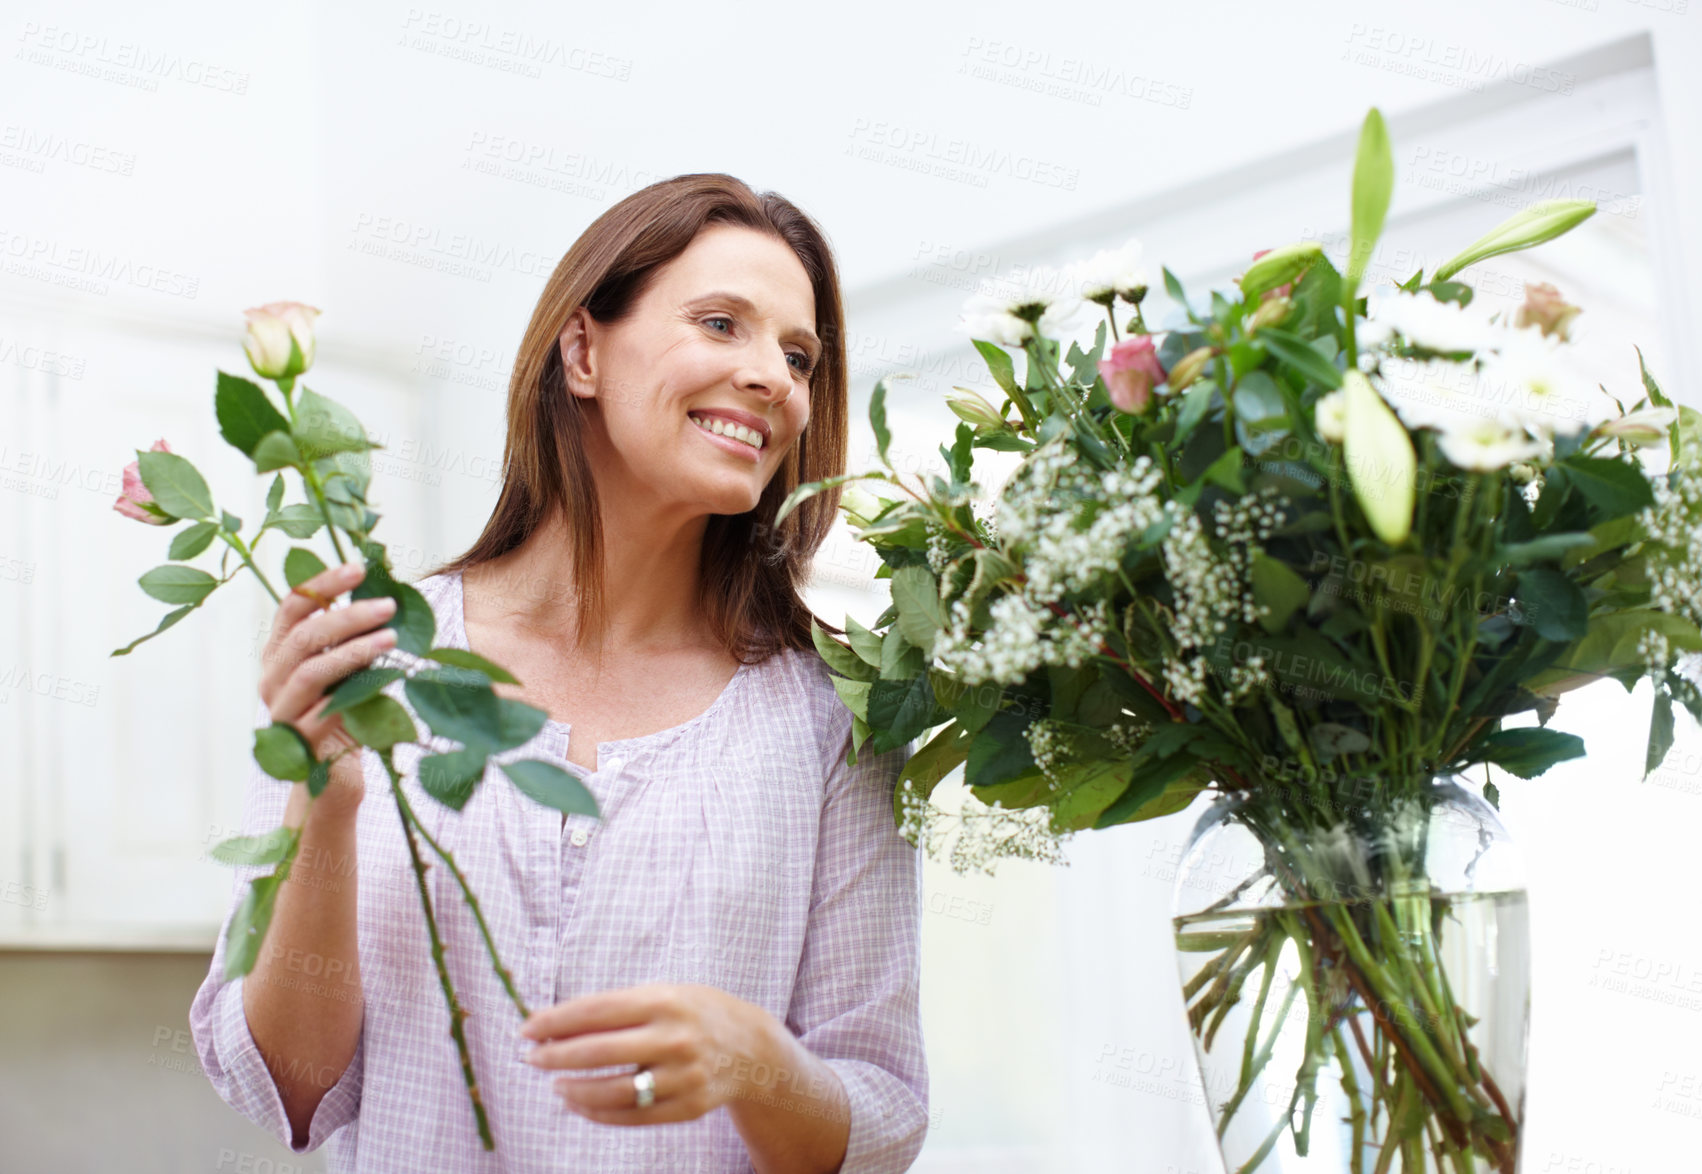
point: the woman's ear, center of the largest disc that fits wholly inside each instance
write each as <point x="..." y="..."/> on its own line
<point x="576" y="360"/>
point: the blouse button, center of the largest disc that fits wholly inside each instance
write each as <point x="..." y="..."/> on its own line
<point x="579" y="837"/>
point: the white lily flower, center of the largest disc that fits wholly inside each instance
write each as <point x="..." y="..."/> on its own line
<point x="1487" y="444"/>
<point x="1532" y="381"/>
<point x="1111" y="271"/>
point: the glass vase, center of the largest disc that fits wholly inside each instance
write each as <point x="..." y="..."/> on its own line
<point x="1357" y="980"/>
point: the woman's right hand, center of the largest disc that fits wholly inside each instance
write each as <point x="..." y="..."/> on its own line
<point x="310" y="650"/>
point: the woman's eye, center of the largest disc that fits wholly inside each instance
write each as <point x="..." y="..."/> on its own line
<point x="805" y="363"/>
<point x="720" y="318"/>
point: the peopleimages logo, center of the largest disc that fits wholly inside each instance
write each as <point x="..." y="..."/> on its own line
<point x="88" y="53"/>
<point x="88" y="269"/>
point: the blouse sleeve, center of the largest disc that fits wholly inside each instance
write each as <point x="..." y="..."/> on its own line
<point x="856" y="1003"/>
<point x="219" y="1026"/>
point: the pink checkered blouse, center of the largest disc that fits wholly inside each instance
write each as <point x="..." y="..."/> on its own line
<point x="736" y="850"/>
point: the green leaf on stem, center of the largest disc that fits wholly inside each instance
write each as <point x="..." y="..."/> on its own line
<point x="171" y="617"/>
<point x="300" y="565"/>
<point x="414" y="621"/>
<point x="1277" y="590"/>
<point x="877" y="420"/>
<point x="999" y="365"/>
<point x="324" y="427"/>
<point x="275" y="451"/>
<point x="839" y="658"/>
<point x="192" y="540"/>
<point x="900" y="711"/>
<point x="275" y="495"/>
<point x="171" y="583"/>
<point x="1302" y="356"/>
<point x="1612" y="486"/>
<point x="452" y="777"/>
<point x="864" y="643"/>
<point x="462" y="658"/>
<point x="1660" y="732"/>
<point x="177" y="486"/>
<point x="245" y="414"/>
<point x="464" y="708"/>
<point x="922" y="772"/>
<point x="267" y="848"/>
<point x="546" y="783"/>
<point x="364" y="683"/>
<point x="282" y="752"/>
<point x="1528" y="751"/>
<point x="916" y="594"/>
<point x="1553" y="604"/>
<point x="298" y="521"/>
<point x="380" y="722"/>
<point x="248" y="925"/>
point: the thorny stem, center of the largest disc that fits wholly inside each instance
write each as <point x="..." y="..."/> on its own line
<point x="472" y="902"/>
<point x="456" y="1013"/>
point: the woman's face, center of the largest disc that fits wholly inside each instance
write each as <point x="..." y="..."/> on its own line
<point x="723" y="335"/>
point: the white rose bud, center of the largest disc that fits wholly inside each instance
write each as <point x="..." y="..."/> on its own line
<point x="279" y="342"/>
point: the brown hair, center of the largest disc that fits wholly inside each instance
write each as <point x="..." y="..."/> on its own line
<point x="751" y="570"/>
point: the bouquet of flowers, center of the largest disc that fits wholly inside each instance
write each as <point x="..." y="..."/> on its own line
<point x="450" y="689"/>
<point x="1309" y="550"/>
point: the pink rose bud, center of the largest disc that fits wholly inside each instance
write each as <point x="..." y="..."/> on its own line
<point x="271" y="330"/>
<point x="135" y="501"/>
<point x="1545" y="308"/>
<point x="1130" y="371"/>
<point x="1281" y="291"/>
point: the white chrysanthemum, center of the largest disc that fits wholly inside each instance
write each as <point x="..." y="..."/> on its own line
<point x="1532" y="380"/>
<point x="1110" y="271"/>
<point x="1330" y="416"/>
<point x="990" y="319"/>
<point x="1424" y="321"/>
<point x="1035" y="298"/>
<point x="1485" y="445"/>
<point x="1432" y="393"/>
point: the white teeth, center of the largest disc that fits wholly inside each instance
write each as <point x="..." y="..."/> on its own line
<point x="726" y="428"/>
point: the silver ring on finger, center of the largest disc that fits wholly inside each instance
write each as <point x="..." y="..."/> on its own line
<point x="644" y="1084"/>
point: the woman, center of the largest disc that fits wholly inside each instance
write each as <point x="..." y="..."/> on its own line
<point x="723" y="970"/>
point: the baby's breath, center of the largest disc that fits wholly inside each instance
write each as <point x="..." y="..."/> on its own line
<point x="984" y="834"/>
<point x="1212" y="586"/>
<point x="1675" y="570"/>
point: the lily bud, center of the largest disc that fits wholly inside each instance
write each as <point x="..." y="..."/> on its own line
<point x="1188" y="368"/>
<point x="1277" y="269"/>
<point x="1130" y="371"/>
<point x="1381" y="463"/>
<point x="279" y="342"/>
<point x="1544" y="307"/>
<point x="135" y="501"/>
<point x="1269" y="313"/>
<point x="1647" y="426"/>
<point x="973" y="408"/>
<point x="1542" y="221"/>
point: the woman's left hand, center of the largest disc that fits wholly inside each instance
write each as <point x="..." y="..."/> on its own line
<point x="688" y="1035"/>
